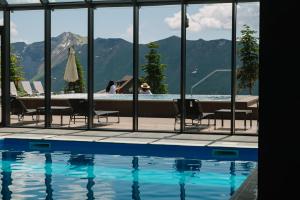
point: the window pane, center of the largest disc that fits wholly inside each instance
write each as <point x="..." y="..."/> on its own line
<point x="1" y="18"/>
<point x="27" y="68"/>
<point x="69" y="67"/>
<point x="248" y="15"/>
<point x="22" y="1"/>
<point x="208" y="66"/>
<point x="159" y="67"/>
<point x="113" y="62"/>
<point x="61" y="1"/>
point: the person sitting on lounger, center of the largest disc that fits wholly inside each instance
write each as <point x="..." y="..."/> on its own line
<point x="111" y="88"/>
<point x="145" y="89"/>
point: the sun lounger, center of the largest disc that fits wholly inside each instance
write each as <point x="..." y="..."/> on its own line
<point x="38" y="87"/>
<point x="13" y="89"/>
<point x="27" y="87"/>
<point x="18" y="108"/>
<point x="80" y="108"/>
<point x="193" y="112"/>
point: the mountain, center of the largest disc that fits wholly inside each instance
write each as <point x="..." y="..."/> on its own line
<point x="113" y="60"/>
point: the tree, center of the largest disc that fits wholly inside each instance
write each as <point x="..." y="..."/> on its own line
<point x="154" y="70"/>
<point x="78" y="86"/>
<point x="16" y="71"/>
<point x="247" y="74"/>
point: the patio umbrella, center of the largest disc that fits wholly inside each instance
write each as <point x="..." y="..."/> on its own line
<point x="71" y="74"/>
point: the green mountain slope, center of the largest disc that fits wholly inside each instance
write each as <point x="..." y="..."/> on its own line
<point x="113" y="60"/>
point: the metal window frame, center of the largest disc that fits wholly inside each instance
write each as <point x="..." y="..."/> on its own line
<point x="233" y="66"/>
<point x="47" y="64"/>
<point x="90" y="62"/>
<point x="90" y="6"/>
<point x="183" y="64"/>
<point x="5" y="72"/>
<point x="108" y="3"/>
<point x="135" y="105"/>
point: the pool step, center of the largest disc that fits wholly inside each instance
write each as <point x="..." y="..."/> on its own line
<point x="40" y="146"/>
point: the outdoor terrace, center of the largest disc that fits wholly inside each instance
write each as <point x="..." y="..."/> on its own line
<point x="130" y="137"/>
<point x="153" y="124"/>
<point x="154" y="114"/>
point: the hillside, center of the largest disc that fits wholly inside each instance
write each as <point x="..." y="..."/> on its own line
<point x="113" y="60"/>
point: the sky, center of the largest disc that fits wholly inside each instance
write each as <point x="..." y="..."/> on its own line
<point x="206" y="21"/>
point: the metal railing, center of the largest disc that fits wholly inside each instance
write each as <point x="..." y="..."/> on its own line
<point x="207" y="76"/>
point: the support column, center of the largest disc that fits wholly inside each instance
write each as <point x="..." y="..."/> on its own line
<point x="233" y="67"/>
<point x="90" y="63"/>
<point x="47" y="77"/>
<point x="183" y="64"/>
<point x="135" y="65"/>
<point x="5" y="74"/>
<point x="135" y="182"/>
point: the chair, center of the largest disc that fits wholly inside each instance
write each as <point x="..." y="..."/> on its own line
<point x="80" y="108"/>
<point x="18" y="108"/>
<point x="13" y="89"/>
<point x="193" y="111"/>
<point x="38" y="87"/>
<point x="27" y="87"/>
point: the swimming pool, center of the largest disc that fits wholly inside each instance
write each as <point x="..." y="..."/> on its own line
<point x="33" y="169"/>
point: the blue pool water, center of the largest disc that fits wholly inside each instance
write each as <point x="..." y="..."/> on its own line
<point x="55" y="173"/>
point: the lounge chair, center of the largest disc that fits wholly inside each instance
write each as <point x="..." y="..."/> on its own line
<point x="13" y="89"/>
<point x="80" y="109"/>
<point x="18" y="108"/>
<point x="38" y="87"/>
<point x="125" y="84"/>
<point x="27" y="87"/>
<point x="193" y="111"/>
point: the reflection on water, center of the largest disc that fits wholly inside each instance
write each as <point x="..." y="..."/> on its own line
<point x="135" y="179"/>
<point x="48" y="176"/>
<point x="67" y="176"/>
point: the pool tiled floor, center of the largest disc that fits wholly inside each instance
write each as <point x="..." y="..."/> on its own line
<point x="132" y="137"/>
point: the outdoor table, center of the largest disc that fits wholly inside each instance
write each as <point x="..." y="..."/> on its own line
<point x="223" y="112"/>
<point x="54" y="110"/>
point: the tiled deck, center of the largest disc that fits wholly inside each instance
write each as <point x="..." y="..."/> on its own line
<point x="132" y="137"/>
<point x="152" y="124"/>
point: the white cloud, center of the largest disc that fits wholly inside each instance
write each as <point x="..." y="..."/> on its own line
<point x="129" y="31"/>
<point x="128" y="35"/>
<point x="175" y="21"/>
<point x="215" y="17"/>
<point x="207" y="17"/>
<point x="14" y="34"/>
<point x="13" y="28"/>
<point x="248" y="14"/>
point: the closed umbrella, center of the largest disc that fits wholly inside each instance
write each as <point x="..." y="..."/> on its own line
<point x="71" y="74"/>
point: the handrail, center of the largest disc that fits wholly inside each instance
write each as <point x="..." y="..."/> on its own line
<point x="207" y="76"/>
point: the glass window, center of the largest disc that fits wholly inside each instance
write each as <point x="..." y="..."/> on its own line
<point x="22" y="1"/>
<point x="208" y="67"/>
<point x="247" y="80"/>
<point x="1" y="18"/>
<point x="27" y="68"/>
<point x="113" y="63"/>
<point x="159" y="67"/>
<point x="69" y="68"/>
<point x="61" y="1"/>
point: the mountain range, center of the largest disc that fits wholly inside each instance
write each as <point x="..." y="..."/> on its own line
<point x="113" y="60"/>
